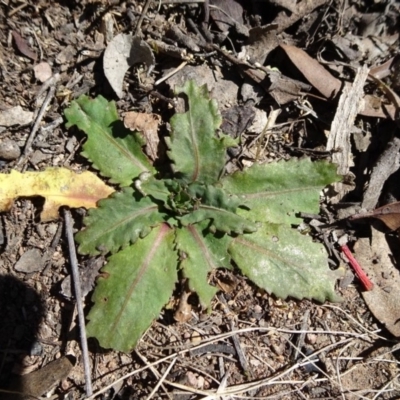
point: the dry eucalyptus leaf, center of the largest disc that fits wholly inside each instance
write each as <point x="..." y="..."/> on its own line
<point x="389" y="215"/>
<point x="148" y="125"/>
<point x="15" y="116"/>
<point x="23" y="46"/>
<point x="313" y="71"/>
<point x="121" y="53"/>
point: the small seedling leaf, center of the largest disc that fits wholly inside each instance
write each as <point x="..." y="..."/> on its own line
<point x="59" y="187"/>
<point x="113" y="149"/>
<point x="132" y="289"/>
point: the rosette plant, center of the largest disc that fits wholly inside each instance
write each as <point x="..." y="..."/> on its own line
<point x="191" y="218"/>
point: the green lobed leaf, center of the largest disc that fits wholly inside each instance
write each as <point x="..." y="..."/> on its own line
<point x="201" y="253"/>
<point x="285" y="263"/>
<point x="132" y="289"/>
<point x="117" y="222"/>
<point x="276" y="192"/>
<point x="113" y="149"/>
<point x="197" y="154"/>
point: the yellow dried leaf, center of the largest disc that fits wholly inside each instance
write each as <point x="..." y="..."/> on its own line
<point x="59" y="187"/>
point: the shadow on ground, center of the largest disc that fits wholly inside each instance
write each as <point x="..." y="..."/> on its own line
<point x="21" y="312"/>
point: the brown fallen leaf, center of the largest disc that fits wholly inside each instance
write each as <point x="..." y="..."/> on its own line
<point x="375" y="107"/>
<point x="330" y="87"/>
<point x="23" y="46"/>
<point x="148" y="125"/>
<point x="314" y="72"/>
<point x="184" y="311"/>
<point x="389" y="215"/>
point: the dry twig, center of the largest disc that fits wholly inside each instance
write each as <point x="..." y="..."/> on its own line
<point x="78" y="297"/>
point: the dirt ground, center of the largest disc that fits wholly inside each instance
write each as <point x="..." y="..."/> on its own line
<point x="258" y="58"/>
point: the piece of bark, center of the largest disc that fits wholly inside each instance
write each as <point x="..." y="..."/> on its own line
<point x="350" y="103"/>
<point x="376" y="258"/>
<point x="172" y="51"/>
<point x="387" y="164"/>
<point x="175" y="33"/>
<point x="37" y="383"/>
<point x="343" y="122"/>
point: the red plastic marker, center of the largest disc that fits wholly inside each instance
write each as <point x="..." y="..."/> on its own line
<point x="365" y="281"/>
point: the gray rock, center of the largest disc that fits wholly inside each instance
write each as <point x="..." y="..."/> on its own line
<point x="9" y="150"/>
<point x="30" y="261"/>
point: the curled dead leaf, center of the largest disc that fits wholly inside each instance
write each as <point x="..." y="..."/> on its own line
<point x="23" y="46"/>
<point x="121" y="53"/>
<point x="148" y="125"/>
<point x="389" y="215"/>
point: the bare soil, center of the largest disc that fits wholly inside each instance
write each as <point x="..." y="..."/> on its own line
<point x="250" y="344"/>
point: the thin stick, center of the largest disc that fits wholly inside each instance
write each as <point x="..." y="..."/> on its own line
<point x="155" y="373"/>
<point x="144" y="12"/>
<point x="301" y="337"/>
<point x="79" y="304"/>
<point x="235" y="338"/>
<point x="159" y="383"/>
<point x="164" y="78"/>
<point x="31" y="138"/>
<point x="224" y="336"/>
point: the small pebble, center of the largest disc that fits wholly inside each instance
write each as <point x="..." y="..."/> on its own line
<point x="9" y="150"/>
<point x="30" y="261"/>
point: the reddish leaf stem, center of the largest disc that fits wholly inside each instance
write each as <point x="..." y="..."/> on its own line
<point x="365" y="281"/>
